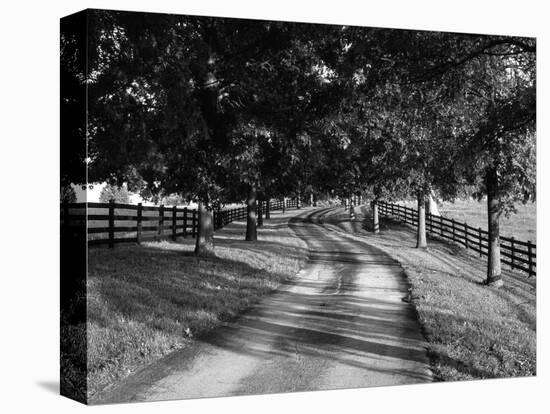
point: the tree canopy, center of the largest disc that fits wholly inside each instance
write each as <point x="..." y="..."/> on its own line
<point x="210" y="108"/>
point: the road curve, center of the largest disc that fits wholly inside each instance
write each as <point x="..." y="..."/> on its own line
<point x="341" y="323"/>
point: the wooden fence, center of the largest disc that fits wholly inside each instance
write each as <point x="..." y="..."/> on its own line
<point x="110" y="223"/>
<point x="515" y="253"/>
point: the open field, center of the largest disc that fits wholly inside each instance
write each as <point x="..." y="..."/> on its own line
<point x="474" y="331"/>
<point x="521" y="225"/>
<point x="146" y="301"/>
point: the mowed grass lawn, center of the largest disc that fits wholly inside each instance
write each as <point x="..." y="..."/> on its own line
<point x="473" y="331"/>
<point x="522" y="225"/>
<point x="146" y="301"/>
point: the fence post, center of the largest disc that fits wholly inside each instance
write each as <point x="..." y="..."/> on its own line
<point x="139" y="224"/>
<point x="530" y="257"/>
<point x="111" y="223"/>
<point x="215" y="219"/>
<point x="185" y="222"/>
<point x="174" y="218"/>
<point x="513" y="250"/>
<point x="161" y="219"/>
<point x="480" y="244"/>
<point x="194" y="224"/>
<point x="267" y="210"/>
<point x="260" y="218"/>
<point x="454" y="228"/>
<point x="466" y="236"/>
<point x="375" y="219"/>
<point x="441" y="225"/>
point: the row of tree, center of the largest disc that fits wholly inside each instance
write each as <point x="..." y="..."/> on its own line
<point x="219" y="110"/>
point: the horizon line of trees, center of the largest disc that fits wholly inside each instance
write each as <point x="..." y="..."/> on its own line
<point x="219" y="109"/>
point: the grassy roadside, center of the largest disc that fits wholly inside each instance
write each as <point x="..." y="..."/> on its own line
<point x="146" y="301"/>
<point x="473" y="331"/>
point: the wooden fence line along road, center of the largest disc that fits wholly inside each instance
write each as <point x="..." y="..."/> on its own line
<point x="516" y="254"/>
<point x="110" y="223"/>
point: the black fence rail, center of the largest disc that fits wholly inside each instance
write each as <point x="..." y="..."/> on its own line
<point x="110" y="223"/>
<point x="517" y="254"/>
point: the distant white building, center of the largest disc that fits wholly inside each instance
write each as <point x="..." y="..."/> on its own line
<point x="88" y="193"/>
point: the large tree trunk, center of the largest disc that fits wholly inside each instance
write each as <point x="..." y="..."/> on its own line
<point x="284" y="205"/>
<point x="375" y="223"/>
<point x="208" y="101"/>
<point x="351" y="212"/>
<point x="421" y="228"/>
<point x="260" y="213"/>
<point x="251" y="232"/>
<point x="494" y="276"/>
<point x="311" y="199"/>
<point x="205" y="235"/>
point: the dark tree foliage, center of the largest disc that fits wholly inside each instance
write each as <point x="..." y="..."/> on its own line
<point x="73" y="76"/>
<point x="221" y="110"/>
<point x="68" y="194"/>
<point x="457" y="111"/>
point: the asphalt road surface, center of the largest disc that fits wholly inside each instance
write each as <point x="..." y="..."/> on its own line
<point x="341" y="323"/>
